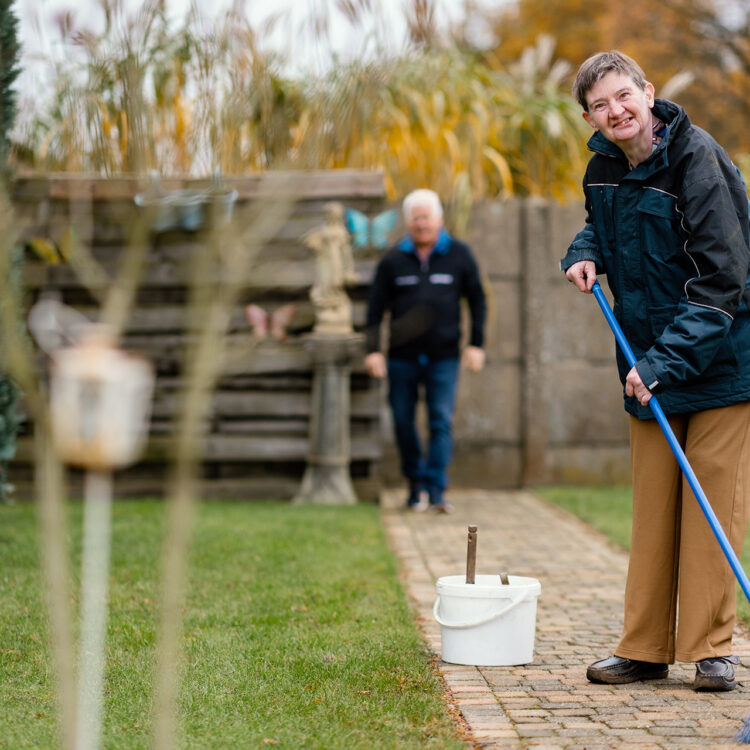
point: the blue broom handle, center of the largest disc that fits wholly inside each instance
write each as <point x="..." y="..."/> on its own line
<point x="679" y="454"/>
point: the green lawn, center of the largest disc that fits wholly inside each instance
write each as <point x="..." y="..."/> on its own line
<point x="608" y="509"/>
<point x="297" y="633"/>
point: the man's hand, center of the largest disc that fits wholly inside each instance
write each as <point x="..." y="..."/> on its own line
<point x="583" y="275"/>
<point x="472" y="358"/>
<point x="375" y="365"/>
<point x="634" y="387"/>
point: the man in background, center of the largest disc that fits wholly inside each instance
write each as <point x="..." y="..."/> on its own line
<point x="421" y="282"/>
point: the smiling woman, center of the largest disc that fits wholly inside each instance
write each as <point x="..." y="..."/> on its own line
<point x="667" y="222"/>
<point x="621" y="111"/>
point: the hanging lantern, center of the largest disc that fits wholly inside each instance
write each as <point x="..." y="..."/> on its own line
<point x="100" y="403"/>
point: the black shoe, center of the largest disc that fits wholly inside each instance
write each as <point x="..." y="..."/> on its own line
<point x="614" y="670"/>
<point x="716" y="673"/>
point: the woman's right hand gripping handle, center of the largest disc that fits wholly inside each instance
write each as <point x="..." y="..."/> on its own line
<point x="583" y="275"/>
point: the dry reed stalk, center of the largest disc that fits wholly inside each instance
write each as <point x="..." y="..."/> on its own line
<point x="50" y="481"/>
<point x="214" y="99"/>
<point x="217" y="278"/>
<point x="18" y="362"/>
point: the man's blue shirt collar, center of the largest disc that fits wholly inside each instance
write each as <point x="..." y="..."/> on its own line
<point x="441" y="247"/>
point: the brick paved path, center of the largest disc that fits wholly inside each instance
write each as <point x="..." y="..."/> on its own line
<point x="549" y="703"/>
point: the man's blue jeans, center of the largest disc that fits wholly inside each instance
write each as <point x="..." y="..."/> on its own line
<point x="439" y="380"/>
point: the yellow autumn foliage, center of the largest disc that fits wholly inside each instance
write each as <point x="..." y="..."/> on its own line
<point x="192" y="102"/>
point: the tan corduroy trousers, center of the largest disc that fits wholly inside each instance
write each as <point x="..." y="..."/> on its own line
<point x="680" y="595"/>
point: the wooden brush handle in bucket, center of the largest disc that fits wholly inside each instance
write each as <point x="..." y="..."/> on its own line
<point x="471" y="555"/>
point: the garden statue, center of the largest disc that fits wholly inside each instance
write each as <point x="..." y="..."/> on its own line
<point x="334" y="270"/>
<point x="326" y="480"/>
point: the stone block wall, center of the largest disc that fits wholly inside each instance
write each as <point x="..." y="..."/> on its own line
<point x="548" y="406"/>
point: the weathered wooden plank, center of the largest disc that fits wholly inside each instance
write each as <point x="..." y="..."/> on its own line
<point x="287" y="404"/>
<point x="107" y="226"/>
<point x="272" y="274"/>
<point x="307" y="184"/>
<point x="282" y="487"/>
<point x="172" y="318"/>
<point x="181" y="249"/>
<point x="232" y="448"/>
<point x="272" y="382"/>
<point x="242" y="357"/>
<point x="286" y="427"/>
<point x="250" y="488"/>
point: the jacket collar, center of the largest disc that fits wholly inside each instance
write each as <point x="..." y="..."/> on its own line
<point x="441" y="247"/>
<point x="671" y="114"/>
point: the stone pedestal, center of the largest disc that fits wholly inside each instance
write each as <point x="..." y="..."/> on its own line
<point x="334" y="319"/>
<point x="326" y="480"/>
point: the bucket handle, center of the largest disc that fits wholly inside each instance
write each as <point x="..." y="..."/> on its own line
<point x="483" y="621"/>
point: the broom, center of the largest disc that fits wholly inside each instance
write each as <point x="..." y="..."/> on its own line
<point x="743" y="735"/>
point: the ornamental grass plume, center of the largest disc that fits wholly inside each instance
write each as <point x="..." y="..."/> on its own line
<point x="200" y="98"/>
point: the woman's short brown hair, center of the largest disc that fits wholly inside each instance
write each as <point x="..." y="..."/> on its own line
<point x="597" y="66"/>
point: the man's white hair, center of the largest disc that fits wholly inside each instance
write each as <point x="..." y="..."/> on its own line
<point x="422" y="197"/>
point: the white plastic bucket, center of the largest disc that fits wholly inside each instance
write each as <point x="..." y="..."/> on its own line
<point x="487" y="623"/>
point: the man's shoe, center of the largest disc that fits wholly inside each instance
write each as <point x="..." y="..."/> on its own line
<point x="715" y="673"/>
<point x="441" y="507"/>
<point x="438" y="503"/>
<point x="614" y="670"/>
<point x="416" y="502"/>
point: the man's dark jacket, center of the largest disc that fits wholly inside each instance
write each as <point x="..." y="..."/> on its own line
<point x="424" y="300"/>
<point x="672" y="237"/>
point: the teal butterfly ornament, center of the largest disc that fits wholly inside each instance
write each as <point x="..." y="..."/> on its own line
<point x="368" y="232"/>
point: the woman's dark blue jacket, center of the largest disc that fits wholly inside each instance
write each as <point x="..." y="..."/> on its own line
<point x="672" y="237"/>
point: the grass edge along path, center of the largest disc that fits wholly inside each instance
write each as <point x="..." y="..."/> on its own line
<point x="609" y="511"/>
<point x="298" y="633"/>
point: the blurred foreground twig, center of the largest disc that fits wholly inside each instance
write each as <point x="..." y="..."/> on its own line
<point x="218" y="276"/>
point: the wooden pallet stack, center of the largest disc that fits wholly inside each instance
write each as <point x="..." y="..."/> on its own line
<point x="257" y="437"/>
